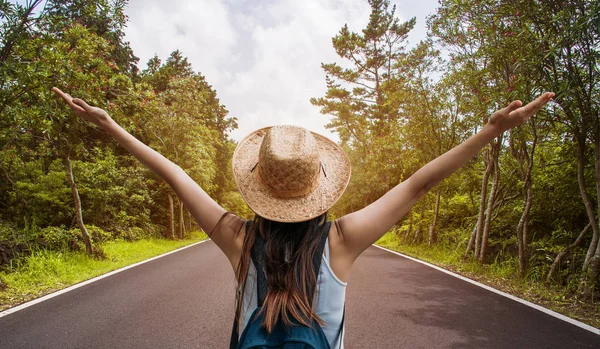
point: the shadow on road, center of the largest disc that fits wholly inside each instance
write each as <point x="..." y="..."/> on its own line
<point x="477" y="317"/>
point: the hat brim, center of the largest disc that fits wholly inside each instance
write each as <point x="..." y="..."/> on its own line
<point x="332" y="183"/>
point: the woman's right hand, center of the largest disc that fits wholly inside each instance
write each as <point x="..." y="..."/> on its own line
<point x="515" y="114"/>
<point x="83" y="110"/>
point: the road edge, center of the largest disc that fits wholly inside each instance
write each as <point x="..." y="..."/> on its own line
<point x="507" y="295"/>
<point x="89" y="281"/>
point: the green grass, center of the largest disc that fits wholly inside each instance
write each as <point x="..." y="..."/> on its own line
<point x="46" y="271"/>
<point x="502" y="275"/>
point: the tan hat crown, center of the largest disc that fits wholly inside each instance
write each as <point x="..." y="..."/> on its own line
<point x="288" y="163"/>
<point x="288" y="174"/>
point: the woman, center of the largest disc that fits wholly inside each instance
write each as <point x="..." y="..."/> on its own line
<point x="290" y="177"/>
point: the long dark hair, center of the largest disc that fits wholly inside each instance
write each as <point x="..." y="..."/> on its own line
<point x="289" y="250"/>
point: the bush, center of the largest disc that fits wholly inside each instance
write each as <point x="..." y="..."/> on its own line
<point x="97" y="234"/>
<point x="134" y="233"/>
<point x="7" y="232"/>
<point x="57" y="238"/>
<point x="98" y="253"/>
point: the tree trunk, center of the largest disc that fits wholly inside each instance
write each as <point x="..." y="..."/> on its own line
<point x="410" y="224"/>
<point x="419" y="232"/>
<point x="189" y="220"/>
<point x="594" y="262"/>
<point x="522" y="227"/>
<point x="566" y="250"/>
<point x="171" y="218"/>
<point x="586" y="282"/>
<point x="181" y="221"/>
<point x="476" y="242"/>
<point x="471" y="242"/>
<point x="491" y="198"/>
<point x="589" y="209"/>
<point x="432" y="228"/>
<point x="77" y="206"/>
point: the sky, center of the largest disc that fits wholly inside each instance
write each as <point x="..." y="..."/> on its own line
<point x="262" y="57"/>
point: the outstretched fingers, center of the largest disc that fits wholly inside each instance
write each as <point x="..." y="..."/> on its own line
<point x="537" y="104"/>
<point x="514" y="105"/>
<point x="67" y="98"/>
<point x="81" y="103"/>
<point x="63" y="95"/>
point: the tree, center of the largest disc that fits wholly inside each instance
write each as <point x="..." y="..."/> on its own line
<point x="181" y="99"/>
<point x="364" y="115"/>
<point x="105" y="18"/>
<point x="565" y="58"/>
<point x="433" y="123"/>
<point x="80" y="61"/>
<point x="17" y="26"/>
<point x="58" y="172"/>
<point x="484" y="51"/>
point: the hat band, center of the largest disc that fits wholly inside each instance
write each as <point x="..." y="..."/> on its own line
<point x="290" y="193"/>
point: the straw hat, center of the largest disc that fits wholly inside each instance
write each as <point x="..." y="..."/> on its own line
<point x="289" y="174"/>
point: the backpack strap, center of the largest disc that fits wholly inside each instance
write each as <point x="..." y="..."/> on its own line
<point x="342" y="325"/>
<point x="233" y="343"/>
<point x="258" y="257"/>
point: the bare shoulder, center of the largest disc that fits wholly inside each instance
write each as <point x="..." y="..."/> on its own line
<point x="340" y="259"/>
<point x="228" y="234"/>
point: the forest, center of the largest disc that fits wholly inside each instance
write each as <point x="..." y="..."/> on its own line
<point x="61" y="177"/>
<point x="529" y="201"/>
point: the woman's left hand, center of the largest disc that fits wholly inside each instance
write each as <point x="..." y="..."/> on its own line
<point x="515" y="114"/>
<point x="83" y="110"/>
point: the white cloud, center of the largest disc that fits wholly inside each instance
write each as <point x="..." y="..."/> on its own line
<point x="202" y="30"/>
<point x="262" y="57"/>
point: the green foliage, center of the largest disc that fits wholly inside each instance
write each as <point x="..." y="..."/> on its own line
<point x="78" y="45"/>
<point x="57" y="238"/>
<point x="98" y="235"/>
<point x="136" y="233"/>
<point x="112" y="179"/>
<point x="232" y="201"/>
<point x="363" y="104"/>
<point x="105" y="18"/>
<point x="396" y="109"/>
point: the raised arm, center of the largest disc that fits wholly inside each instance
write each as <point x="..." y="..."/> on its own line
<point x="362" y="228"/>
<point x="204" y="209"/>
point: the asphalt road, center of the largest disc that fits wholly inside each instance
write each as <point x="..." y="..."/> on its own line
<point x="185" y="300"/>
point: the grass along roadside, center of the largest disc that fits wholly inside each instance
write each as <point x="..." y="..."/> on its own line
<point x="501" y="276"/>
<point x="46" y="271"/>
